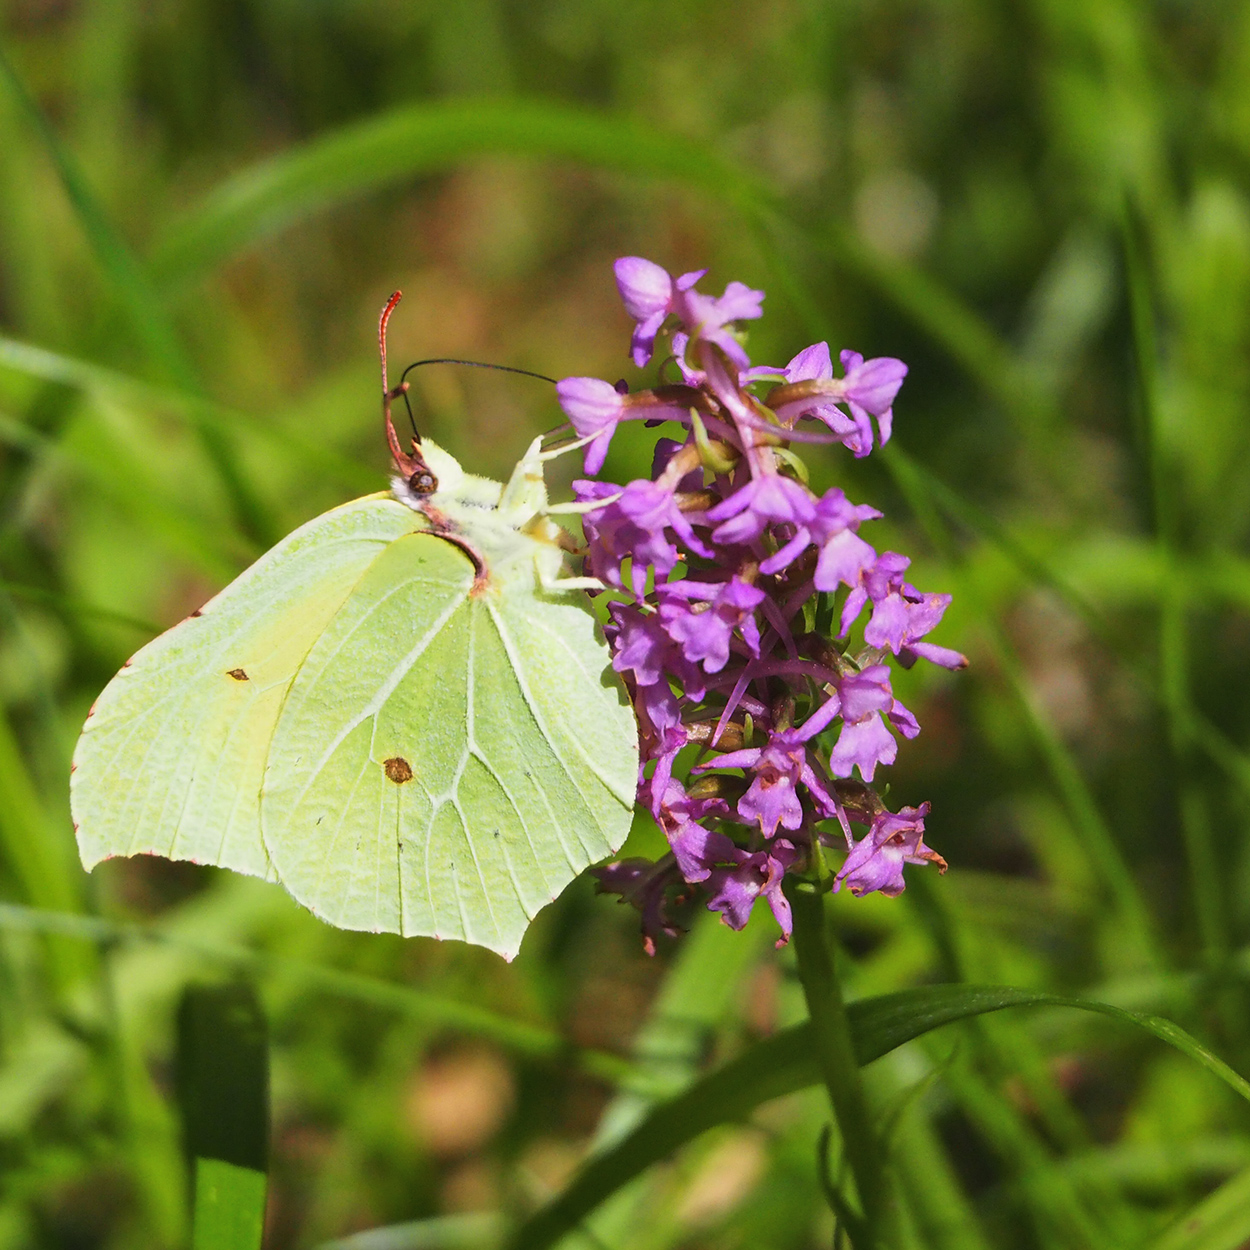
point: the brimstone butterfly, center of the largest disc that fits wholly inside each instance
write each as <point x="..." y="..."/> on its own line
<point x="403" y="713"/>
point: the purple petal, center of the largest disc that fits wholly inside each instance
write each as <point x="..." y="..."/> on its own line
<point x="787" y="555"/>
<point x="865" y="693"/>
<point x="593" y="407"/>
<point x="897" y="622"/>
<point x="812" y="364"/>
<point x="733" y="892"/>
<point x="698" y="850"/>
<point x="646" y="288"/>
<point x="853" y="606"/>
<point x="843" y="560"/>
<point x="590" y="403"/>
<point x="748" y="757"/>
<point x="943" y="656"/>
<point x="895" y="839"/>
<point x="903" y="720"/>
<point x="702" y="636"/>
<point x="642" y="343"/>
<point x="873" y="384"/>
<point x="740" y="303"/>
<point x="764" y="500"/>
<point x="888" y="625"/>
<point x="865" y="743"/>
<point x="771" y="800"/>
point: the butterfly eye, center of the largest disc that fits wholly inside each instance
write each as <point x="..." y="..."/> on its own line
<point x="423" y="482"/>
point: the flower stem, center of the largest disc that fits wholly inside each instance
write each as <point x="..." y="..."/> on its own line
<point x="839" y="1067"/>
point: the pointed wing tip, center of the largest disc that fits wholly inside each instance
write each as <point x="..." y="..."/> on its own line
<point x="507" y="951"/>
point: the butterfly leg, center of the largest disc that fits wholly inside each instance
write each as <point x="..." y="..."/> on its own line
<point x="573" y="583"/>
<point x="580" y="509"/>
<point x="565" y="448"/>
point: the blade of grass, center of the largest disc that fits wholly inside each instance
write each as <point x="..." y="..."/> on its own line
<point x="420" y="138"/>
<point x="697" y="992"/>
<point x="154" y="508"/>
<point x="1220" y="1221"/>
<point x="526" y="1039"/>
<point x="93" y="379"/>
<point x="223" y="1092"/>
<point x="1061" y="1215"/>
<point x="142" y="306"/>
<point x="25" y="833"/>
<point x="786" y="1062"/>
<point x="68" y="606"/>
<point x="1206" y="882"/>
<point x="1107" y="860"/>
<point x="39" y="866"/>
<point x="148" y="505"/>
<point x="938" y="1206"/>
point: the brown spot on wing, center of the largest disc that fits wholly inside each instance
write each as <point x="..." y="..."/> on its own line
<point x="398" y="769"/>
<point x="197" y="612"/>
<point x="238" y="674"/>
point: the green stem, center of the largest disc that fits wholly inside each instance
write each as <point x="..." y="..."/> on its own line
<point x="835" y="1054"/>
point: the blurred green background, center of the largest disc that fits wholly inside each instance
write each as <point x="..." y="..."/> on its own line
<point x="1043" y="206"/>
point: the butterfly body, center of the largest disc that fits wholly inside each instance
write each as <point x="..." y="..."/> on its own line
<point x="497" y="525"/>
<point x="398" y="713"/>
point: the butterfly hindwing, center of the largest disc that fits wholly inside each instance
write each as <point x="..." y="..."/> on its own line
<point x="335" y="787"/>
<point x="475" y="764"/>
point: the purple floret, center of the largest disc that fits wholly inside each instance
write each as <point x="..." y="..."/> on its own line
<point x="876" y="862"/>
<point x="701" y="618"/>
<point x="733" y="890"/>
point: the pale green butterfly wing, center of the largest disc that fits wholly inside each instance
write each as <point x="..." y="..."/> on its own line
<point x="488" y="752"/>
<point x="171" y="759"/>
<point x="407" y="740"/>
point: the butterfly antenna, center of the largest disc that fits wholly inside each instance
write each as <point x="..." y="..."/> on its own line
<point x="472" y="364"/>
<point x="412" y="421"/>
<point x="413" y="467"/>
<point x="387" y="394"/>
<point x="477" y="364"/>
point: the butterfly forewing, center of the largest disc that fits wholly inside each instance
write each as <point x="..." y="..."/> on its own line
<point x="171" y="758"/>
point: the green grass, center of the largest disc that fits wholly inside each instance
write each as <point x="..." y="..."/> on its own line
<point x="1044" y="208"/>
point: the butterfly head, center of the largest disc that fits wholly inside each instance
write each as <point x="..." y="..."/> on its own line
<point x="419" y="478"/>
<point x="431" y="480"/>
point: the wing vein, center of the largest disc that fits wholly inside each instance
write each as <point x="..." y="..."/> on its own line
<point x="468" y="832"/>
<point x="560" y="642"/>
<point x="540" y="721"/>
<point x="378" y="700"/>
